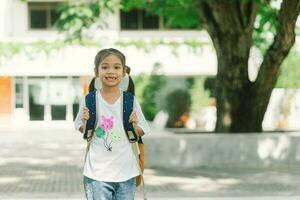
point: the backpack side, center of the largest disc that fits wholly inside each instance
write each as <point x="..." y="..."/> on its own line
<point x="128" y="101"/>
<point x="90" y="103"/>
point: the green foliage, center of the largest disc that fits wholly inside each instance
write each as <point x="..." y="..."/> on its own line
<point x="176" y="13"/>
<point x="148" y="46"/>
<point x="127" y="5"/>
<point x="178" y="103"/>
<point x="76" y="17"/>
<point x="209" y="86"/>
<point x="140" y="82"/>
<point x="290" y="71"/>
<point x="148" y="104"/>
<point x="8" y="50"/>
<point x="199" y="95"/>
<point x="265" y="25"/>
<point x="32" y="49"/>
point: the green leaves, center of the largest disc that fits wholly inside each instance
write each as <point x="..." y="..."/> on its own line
<point x="176" y="13"/>
<point x="265" y="26"/>
<point x="150" y="91"/>
<point x="36" y="48"/>
<point x="76" y="17"/>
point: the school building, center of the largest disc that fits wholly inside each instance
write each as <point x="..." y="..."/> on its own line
<point x="49" y="87"/>
<point x="37" y="86"/>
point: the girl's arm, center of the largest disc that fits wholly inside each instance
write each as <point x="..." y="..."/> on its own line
<point x="139" y="122"/>
<point x="83" y="114"/>
<point x="85" y="117"/>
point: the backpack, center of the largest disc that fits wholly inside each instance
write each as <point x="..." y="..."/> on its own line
<point x="134" y="139"/>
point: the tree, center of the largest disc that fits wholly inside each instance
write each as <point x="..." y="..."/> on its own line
<point x="241" y="104"/>
<point x="231" y="24"/>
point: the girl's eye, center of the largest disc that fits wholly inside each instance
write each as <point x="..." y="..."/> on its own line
<point x="103" y="67"/>
<point x="117" y="67"/>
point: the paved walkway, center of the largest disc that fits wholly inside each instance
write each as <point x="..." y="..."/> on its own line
<point x="46" y="163"/>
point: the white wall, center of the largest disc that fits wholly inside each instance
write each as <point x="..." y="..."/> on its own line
<point x="19" y="18"/>
<point x="5" y="25"/>
<point x="214" y="150"/>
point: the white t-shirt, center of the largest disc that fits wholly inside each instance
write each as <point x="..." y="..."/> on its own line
<point x="118" y="164"/>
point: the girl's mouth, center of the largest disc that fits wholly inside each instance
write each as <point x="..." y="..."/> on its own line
<point x="109" y="78"/>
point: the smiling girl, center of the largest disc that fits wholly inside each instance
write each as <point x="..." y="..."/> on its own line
<point x="110" y="167"/>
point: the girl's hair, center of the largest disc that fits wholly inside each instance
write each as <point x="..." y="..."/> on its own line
<point x="106" y="52"/>
<point x="131" y="87"/>
<point x="92" y="85"/>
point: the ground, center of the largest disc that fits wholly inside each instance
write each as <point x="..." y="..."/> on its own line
<point x="46" y="162"/>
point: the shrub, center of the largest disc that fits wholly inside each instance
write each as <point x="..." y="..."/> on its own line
<point x="178" y="107"/>
<point x="149" y="107"/>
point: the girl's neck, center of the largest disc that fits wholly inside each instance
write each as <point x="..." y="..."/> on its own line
<point x="110" y="95"/>
<point x="110" y="90"/>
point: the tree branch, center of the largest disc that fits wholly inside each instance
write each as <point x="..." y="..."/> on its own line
<point x="283" y="42"/>
<point x="250" y="10"/>
<point x="209" y="21"/>
<point x="226" y="17"/>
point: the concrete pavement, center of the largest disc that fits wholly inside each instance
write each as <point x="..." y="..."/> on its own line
<point x="45" y="162"/>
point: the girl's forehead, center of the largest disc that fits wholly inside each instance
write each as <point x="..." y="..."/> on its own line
<point x="111" y="59"/>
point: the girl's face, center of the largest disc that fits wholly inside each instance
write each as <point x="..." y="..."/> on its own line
<point x="111" y="71"/>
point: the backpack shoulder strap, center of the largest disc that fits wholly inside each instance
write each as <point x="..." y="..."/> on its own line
<point x="90" y="102"/>
<point x="128" y="100"/>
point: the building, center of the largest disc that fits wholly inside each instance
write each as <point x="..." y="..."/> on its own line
<point x="37" y="86"/>
<point x="49" y="87"/>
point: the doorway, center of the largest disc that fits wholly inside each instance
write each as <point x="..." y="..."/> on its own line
<point x="37" y="89"/>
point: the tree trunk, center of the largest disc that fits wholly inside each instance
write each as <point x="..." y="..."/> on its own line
<point x="241" y="104"/>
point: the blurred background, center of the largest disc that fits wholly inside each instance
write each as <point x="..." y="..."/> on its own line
<point x="48" y="47"/>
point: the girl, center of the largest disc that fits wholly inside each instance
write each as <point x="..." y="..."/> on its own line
<point x="110" y="167"/>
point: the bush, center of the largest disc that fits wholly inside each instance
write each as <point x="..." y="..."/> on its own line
<point x="178" y="108"/>
<point x="149" y="107"/>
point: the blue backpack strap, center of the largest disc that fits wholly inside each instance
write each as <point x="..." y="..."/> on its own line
<point x="128" y="100"/>
<point x="90" y="102"/>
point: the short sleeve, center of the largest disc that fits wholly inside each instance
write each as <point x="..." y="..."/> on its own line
<point x="141" y="118"/>
<point x="78" y="122"/>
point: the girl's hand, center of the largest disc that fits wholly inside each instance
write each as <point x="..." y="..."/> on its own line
<point x="86" y="114"/>
<point x="133" y="118"/>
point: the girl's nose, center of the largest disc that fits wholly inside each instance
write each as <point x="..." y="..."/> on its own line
<point x="111" y="70"/>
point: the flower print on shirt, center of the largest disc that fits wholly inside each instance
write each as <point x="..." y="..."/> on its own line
<point x="104" y="131"/>
<point x="107" y="123"/>
<point x="107" y="132"/>
<point x="100" y="132"/>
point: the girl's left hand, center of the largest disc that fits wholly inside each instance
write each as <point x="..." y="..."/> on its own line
<point x="133" y="118"/>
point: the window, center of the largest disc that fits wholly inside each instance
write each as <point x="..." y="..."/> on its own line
<point x="19" y="87"/>
<point x="58" y="97"/>
<point x="138" y="19"/>
<point x="42" y="15"/>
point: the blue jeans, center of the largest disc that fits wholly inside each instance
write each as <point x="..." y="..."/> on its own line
<point x="99" y="190"/>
